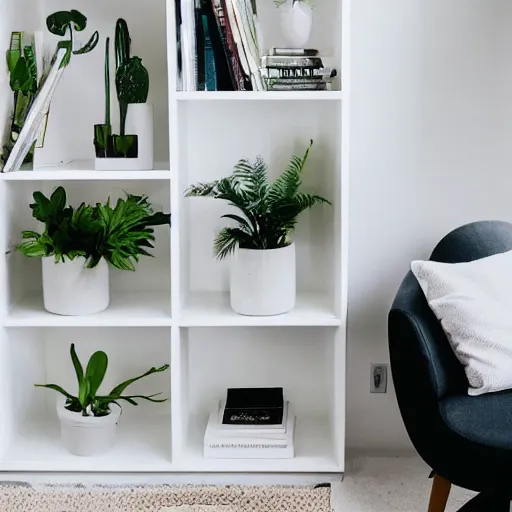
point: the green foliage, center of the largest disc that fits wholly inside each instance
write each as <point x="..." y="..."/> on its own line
<point x="120" y="233"/>
<point x="88" y="402"/>
<point x="132" y="82"/>
<point x="269" y="211"/>
<point x="59" y="23"/>
<point x="122" y="47"/>
<point x="107" y="81"/>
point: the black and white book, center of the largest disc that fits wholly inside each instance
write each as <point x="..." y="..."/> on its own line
<point x="264" y="431"/>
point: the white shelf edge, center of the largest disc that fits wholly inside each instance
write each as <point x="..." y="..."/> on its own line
<point x="126" y="310"/>
<point x="84" y="170"/>
<point x="212" y="309"/>
<point x="259" y="95"/>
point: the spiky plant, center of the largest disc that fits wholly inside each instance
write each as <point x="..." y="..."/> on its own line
<point x="269" y="211"/>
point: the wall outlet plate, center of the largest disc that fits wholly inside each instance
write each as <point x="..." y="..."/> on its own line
<point x="379" y="378"/>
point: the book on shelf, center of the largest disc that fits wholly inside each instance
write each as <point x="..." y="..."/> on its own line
<point x="249" y="444"/>
<point x="254" y="406"/>
<point x="265" y="431"/>
<point x="295" y="70"/>
<point x="218" y="41"/>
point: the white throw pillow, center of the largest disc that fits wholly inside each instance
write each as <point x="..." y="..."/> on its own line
<point x="473" y="302"/>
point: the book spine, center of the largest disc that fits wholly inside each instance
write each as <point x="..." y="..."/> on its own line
<point x="249" y="453"/>
<point x="276" y="86"/>
<point x="252" y="444"/>
<point x="210" y="73"/>
<point x="220" y="19"/>
<point x="323" y="73"/>
<point x="295" y="52"/>
<point x="241" y="81"/>
<point x="291" y="62"/>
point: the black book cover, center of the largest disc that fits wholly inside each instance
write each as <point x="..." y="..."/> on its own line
<point x="254" y="406"/>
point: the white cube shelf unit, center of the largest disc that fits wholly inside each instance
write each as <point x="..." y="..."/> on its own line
<point x="175" y="308"/>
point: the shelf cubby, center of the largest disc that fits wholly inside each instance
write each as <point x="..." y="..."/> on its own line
<point x="301" y="360"/>
<point x="138" y="298"/>
<point x="281" y="129"/>
<point x="79" y="101"/>
<point x="29" y="429"/>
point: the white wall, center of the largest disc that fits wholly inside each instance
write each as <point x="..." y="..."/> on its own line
<point x="432" y="89"/>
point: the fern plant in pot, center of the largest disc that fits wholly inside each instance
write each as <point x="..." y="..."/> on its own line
<point x="78" y="245"/>
<point x="89" y="419"/>
<point x="263" y="270"/>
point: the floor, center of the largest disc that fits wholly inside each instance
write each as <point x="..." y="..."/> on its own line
<point x="389" y="485"/>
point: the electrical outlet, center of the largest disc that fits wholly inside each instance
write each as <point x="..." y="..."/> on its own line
<point x="379" y="378"/>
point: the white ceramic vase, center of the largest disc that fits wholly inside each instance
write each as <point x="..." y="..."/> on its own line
<point x="263" y="283"/>
<point x="87" y="436"/>
<point x="72" y="289"/>
<point x="296" y="22"/>
<point x="139" y="121"/>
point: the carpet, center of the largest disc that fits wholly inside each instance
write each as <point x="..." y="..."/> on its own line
<point x="50" y="498"/>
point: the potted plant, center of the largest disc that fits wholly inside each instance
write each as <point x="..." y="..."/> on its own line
<point x="78" y="244"/>
<point x="296" y="21"/>
<point x="263" y="268"/>
<point x="89" y="420"/>
<point x="132" y="85"/>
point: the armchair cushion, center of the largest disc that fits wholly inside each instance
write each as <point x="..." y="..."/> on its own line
<point x="486" y="419"/>
<point x="473" y="301"/>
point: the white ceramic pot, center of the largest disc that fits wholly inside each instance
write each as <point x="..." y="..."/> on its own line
<point x="296" y="22"/>
<point x="87" y="436"/>
<point x="263" y="283"/>
<point x="71" y="289"/>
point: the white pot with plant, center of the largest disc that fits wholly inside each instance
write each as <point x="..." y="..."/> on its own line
<point x="89" y="420"/>
<point x="263" y="269"/>
<point x="77" y="246"/>
<point x="296" y="21"/>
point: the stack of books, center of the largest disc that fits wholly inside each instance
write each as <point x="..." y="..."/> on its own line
<point x="251" y="424"/>
<point x="286" y="69"/>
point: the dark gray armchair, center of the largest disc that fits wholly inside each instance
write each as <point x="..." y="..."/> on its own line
<point x="466" y="440"/>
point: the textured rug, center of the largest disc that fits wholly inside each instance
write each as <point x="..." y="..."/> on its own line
<point x="23" y="498"/>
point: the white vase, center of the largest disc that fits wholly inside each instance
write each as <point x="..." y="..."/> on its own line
<point x="263" y="282"/>
<point x="139" y="121"/>
<point x="87" y="436"/>
<point x="296" y="22"/>
<point x="71" y="289"/>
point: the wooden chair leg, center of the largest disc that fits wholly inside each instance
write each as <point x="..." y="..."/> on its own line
<point x="439" y="494"/>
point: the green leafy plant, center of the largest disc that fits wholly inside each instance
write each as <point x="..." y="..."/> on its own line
<point x="88" y="401"/>
<point x="120" y="233"/>
<point x="61" y="22"/>
<point x="103" y="132"/>
<point x="269" y="211"/>
<point x="21" y="64"/>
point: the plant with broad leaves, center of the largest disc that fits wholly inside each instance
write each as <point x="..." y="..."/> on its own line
<point x="269" y="210"/>
<point x="61" y="22"/>
<point x="88" y="402"/>
<point x="120" y="233"/>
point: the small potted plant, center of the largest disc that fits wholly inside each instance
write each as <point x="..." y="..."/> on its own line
<point x="296" y="21"/>
<point x="77" y="246"/>
<point x="263" y="276"/>
<point x="89" y="420"/>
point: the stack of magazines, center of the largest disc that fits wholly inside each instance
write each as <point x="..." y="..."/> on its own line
<point x="286" y="69"/>
<point x="233" y="433"/>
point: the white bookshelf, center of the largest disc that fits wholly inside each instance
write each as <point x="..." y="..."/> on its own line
<point x="175" y="308"/>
